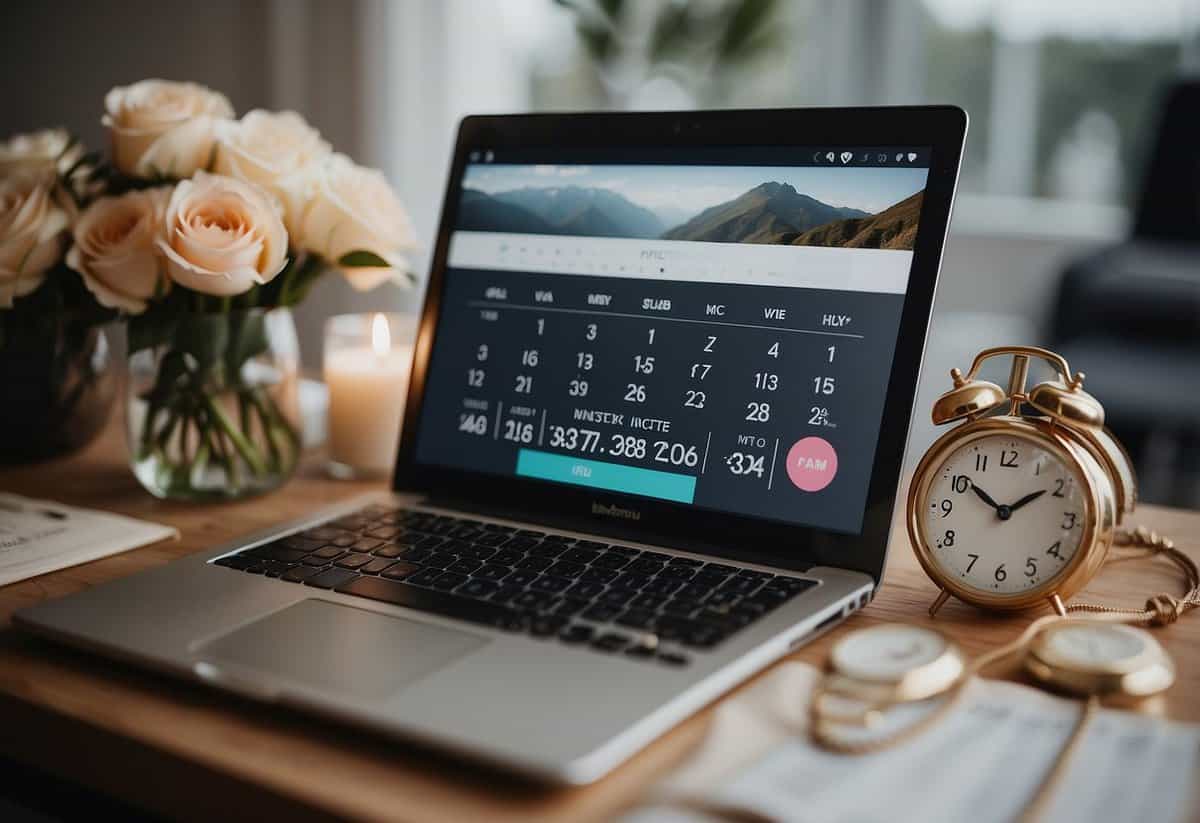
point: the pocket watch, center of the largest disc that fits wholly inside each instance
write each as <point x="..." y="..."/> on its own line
<point x="1099" y="658"/>
<point x="1019" y="504"/>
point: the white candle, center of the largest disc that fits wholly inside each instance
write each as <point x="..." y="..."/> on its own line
<point x="367" y="385"/>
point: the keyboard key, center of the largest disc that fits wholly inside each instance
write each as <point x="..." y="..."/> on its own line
<point x="644" y="565"/>
<point x="353" y="561"/>
<point x="425" y="577"/>
<point x="617" y="597"/>
<point x="611" y="560"/>
<point x="628" y="551"/>
<point x="449" y="580"/>
<point x="702" y="636"/>
<point x="275" y="551"/>
<point x="449" y="605"/>
<point x="694" y="591"/>
<point x="546" y="625"/>
<point x="566" y="569"/>
<point x="590" y="544"/>
<point x="492" y="572"/>
<point x="367" y="544"/>
<point x="477" y="552"/>
<point x="344" y="541"/>
<point x="377" y="565"/>
<point x="723" y="597"/>
<point x="315" y="560"/>
<point x="491" y="538"/>
<point x="464" y="565"/>
<point x="599" y="575"/>
<point x="331" y="578"/>
<point x="531" y="533"/>
<point x="610" y="642"/>
<point x="521" y="577"/>
<point x="750" y="574"/>
<point x="507" y="557"/>
<point x="520" y="543"/>
<point x="329" y="552"/>
<point x="479" y="588"/>
<point x="740" y="585"/>
<point x="416" y="555"/>
<point x="681" y="607"/>
<point x="686" y="561"/>
<point x="578" y="555"/>
<point x="532" y="600"/>
<point x="298" y="574"/>
<point x="388" y="551"/>
<point x="576" y="633"/>
<point x="570" y="606"/>
<point x="631" y="581"/>
<point x="636" y="619"/>
<point x="274" y="568"/>
<point x="506" y="594"/>
<point x="437" y="560"/>
<point x="601" y="613"/>
<point x="384" y="532"/>
<point x="648" y="601"/>
<point x="304" y="544"/>
<point x="550" y="583"/>
<point x="537" y="564"/>
<point x="677" y="572"/>
<point x="719" y="568"/>
<point x="662" y="585"/>
<point x="673" y="658"/>
<point x="548" y="549"/>
<point x="586" y="590"/>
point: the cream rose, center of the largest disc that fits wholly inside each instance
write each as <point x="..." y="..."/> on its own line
<point x="341" y="208"/>
<point x="264" y="147"/>
<point x="32" y="233"/>
<point x="49" y="151"/>
<point x="222" y="236"/>
<point x="161" y="128"/>
<point x="116" y="249"/>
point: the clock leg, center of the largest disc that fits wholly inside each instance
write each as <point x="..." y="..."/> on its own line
<point x="937" y="604"/>
<point x="1057" y="604"/>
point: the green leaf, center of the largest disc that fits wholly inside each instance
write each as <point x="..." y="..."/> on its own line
<point x="363" y="259"/>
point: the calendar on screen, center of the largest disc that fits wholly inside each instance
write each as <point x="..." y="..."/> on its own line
<point x="717" y="334"/>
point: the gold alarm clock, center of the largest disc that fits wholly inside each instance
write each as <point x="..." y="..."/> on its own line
<point x="1018" y="505"/>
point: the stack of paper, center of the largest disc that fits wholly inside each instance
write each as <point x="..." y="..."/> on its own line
<point x="983" y="763"/>
<point x="39" y="536"/>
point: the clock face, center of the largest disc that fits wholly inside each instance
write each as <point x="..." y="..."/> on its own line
<point x="1004" y="514"/>
<point x="1096" y="645"/>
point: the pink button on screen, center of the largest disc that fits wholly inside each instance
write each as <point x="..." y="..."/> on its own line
<point x="811" y="464"/>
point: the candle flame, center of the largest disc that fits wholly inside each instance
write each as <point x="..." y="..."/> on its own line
<point x="381" y="335"/>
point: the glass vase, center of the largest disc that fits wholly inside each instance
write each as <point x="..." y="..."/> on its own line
<point x="213" y="409"/>
<point x="59" y="386"/>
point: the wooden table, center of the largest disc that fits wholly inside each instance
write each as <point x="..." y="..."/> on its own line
<point x="187" y="752"/>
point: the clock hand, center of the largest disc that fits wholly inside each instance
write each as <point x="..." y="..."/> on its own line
<point x="1002" y="511"/>
<point x="985" y="497"/>
<point x="1029" y="498"/>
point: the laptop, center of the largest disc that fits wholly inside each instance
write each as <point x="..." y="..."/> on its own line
<point x="654" y="432"/>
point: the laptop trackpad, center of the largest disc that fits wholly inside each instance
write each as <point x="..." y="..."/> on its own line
<point x="340" y="648"/>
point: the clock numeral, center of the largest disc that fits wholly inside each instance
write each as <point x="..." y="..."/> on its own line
<point x="1000" y="574"/>
<point x="971" y="565"/>
<point x="1058" y="488"/>
<point x="960" y="483"/>
<point x="1068" y="520"/>
<point x="980" y="462"/>
<point x="1031" y="567"/>
<point x="1008" y="459"/>
<point x="947" y="507"/>
<point x="948" y="538"/>
<point x="1053" y="550"/>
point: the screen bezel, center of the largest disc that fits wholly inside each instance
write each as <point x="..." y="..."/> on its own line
<point x="941" y="128"/>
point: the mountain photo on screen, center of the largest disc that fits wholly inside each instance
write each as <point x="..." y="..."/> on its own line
<point x="870" y="208"/>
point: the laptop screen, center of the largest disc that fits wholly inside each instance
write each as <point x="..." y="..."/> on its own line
<point x="713" y="328"/>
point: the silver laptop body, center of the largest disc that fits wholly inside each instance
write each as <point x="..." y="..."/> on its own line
<point x="507" y="685"/>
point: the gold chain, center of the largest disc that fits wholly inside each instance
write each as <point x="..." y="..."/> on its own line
<point x="1161" y="609"/>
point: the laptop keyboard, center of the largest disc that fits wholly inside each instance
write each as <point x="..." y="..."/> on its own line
<point x="610" y="598"/>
